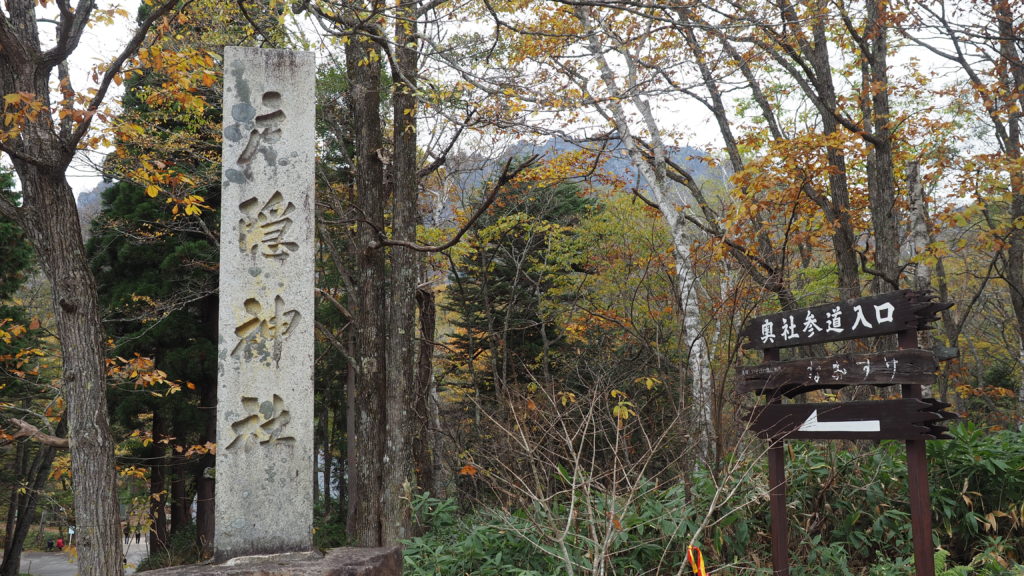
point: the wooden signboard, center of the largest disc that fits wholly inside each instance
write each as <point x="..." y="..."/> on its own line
<point x="911" y="418"/>
<point x="911" y="366"/>
<point x="872" y="316"/>
<point x="899" y="419"/>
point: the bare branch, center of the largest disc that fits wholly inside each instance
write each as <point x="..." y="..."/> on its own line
<point x="507" y="175"/>
<point x="442" y="158"/>
<point x="30" y="432"/>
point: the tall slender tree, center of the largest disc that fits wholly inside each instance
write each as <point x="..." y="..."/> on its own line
<point x="384" y="52"/>
<point x="41" y="139"/>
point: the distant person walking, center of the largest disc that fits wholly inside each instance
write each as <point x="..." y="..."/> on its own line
<point x="138" y="535"/>
<point x="60" y="544"/>
<point x="127" y="533"/>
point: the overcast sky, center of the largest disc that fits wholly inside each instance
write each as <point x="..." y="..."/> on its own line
<point x="99" y="44"/>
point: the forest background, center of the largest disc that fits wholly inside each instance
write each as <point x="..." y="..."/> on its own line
<point x="530" y="286"/>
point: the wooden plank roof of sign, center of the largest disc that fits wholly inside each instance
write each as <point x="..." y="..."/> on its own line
<point x="898" y="311"/>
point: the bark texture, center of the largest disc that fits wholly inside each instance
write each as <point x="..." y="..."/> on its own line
<point x="399" y="476"/>
<point x="363" y="62"/>
<point x="54" y="232"/>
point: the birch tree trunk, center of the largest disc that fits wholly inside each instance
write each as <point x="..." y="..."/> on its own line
<point x="920" y="237"/>
<point x="671" y="199"/>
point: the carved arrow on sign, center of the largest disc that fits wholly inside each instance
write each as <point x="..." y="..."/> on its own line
<point x="812" y="424"/>
<point x="903" y="418"/>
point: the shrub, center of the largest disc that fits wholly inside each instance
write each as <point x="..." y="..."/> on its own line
<point x="181" y="549"/>
<point x="977" y="492"/>
<point x="849" y="515"/>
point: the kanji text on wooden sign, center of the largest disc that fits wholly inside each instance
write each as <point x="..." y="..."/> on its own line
<point x="911" y="418"/>
<point x="910" y="366"/>
<point x="899" y="419"/>
<point x="871" y="316"/>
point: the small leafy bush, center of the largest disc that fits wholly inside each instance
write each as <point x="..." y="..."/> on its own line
<point x="977" y="492"/>
<point x="328" y="532"/>
<point x="181" y="549"/>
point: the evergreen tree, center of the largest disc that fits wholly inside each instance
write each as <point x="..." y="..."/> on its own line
<point x="501" y="279"/>
<point x="157" y="283"/>
<point x="15" y="251"/>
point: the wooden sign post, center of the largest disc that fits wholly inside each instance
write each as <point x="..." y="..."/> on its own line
<point x="910" y="418"/>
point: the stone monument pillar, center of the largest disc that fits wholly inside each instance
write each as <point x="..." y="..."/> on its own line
<point x="264" y="502"/>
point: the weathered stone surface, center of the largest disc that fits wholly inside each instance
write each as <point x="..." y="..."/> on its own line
<point x="264" y="502"/>
<point x="336" y="562"/>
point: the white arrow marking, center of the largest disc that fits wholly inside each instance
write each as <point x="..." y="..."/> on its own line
<point x="813" y="425"/>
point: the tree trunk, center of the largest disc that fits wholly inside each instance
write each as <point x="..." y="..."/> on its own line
<point x="36" y="476"/>
<point x="699" y="360"/>
<point x="880" y="166"/>
<point x="12" y="553"/>
<point x="181" y="510"/>
<point x="14" y="501"/>
<point x="204" y="507"/>
<point x="363" y="64"/>
<point x="351" y="455"/>
<point x="41" y="154"/>
<point x="1012" y="74"/>
<point x="423" y="442"/>
<point x="837" y="206"/>
<point x="920" y="237"/>
<point x="205" y="483"/>
<point x="810" y="66"/>
<point x="53" y="229"/>
<point x="158" y="488"/>
<point x="654" y="170"/>
<point x="399" y="476"/>
<point x="326" y="445"/>
<point x="318" y="447"/>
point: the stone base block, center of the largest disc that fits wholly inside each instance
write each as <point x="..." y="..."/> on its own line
<point x="335" y="562"/>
